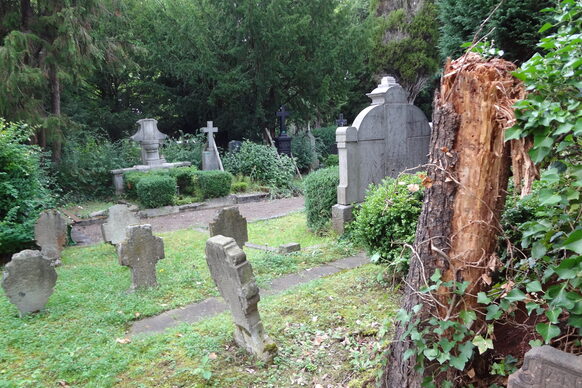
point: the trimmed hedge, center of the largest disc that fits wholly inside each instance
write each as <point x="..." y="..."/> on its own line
<point x="185" y="179"/>
<point x="211" y="184"/>
<point x="320" y="195"/>
<point x="156" y="190"/>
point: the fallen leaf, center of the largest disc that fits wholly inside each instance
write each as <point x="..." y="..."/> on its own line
<point x="486" y="279"/>
<point x="123" y="340"/>
<point x="212" y="356"/>
<point x="137" y="315"/>
<point x="251" y="371"/>
<point x="427" y="182"/>
<point x="471" y="373"/>
<point x="63" y="383"/>
<point x="413" y="187"/>
<point x="445" y="149"/>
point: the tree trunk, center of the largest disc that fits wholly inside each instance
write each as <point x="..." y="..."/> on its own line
<point x="55" y="90"/>
<point x="25" y="15"/>
<point x="467" y="176"/>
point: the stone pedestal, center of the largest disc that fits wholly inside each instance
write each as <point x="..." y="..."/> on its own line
<point x="547" y="367"/>
<point x="341" y="215"/>
<point x="210" y="161"/>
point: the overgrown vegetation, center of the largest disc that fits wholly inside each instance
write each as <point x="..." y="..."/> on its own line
<point x="23" y="193"/>
<point x="320" y="189"/>
<point x="385" y="223"/>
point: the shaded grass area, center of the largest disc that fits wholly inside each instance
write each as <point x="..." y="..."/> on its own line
<point x="74" y="340"/>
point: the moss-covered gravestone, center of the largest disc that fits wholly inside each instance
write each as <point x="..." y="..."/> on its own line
<point x="28" y="281"/>
<point x="141" y="251"/>
<point x="235" y="280"/>
<point x="230" y="223"/>
<point x="50" y="233"/>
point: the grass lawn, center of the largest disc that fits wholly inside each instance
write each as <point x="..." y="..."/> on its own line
<point x="74" y="342"/>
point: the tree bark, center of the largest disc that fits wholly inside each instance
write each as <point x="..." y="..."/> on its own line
<point x="25" y="15"/>
<point x="467" y="176"/>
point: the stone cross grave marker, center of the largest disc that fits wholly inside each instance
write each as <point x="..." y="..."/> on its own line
<point x="141" y="251"/>
<point x="150" y="140"/>
<point x="548" y="367"/>
<point x="283" y="141"/>
<point x="341" y="121"/>
<point x="28" y="281"/>
<point x="229" y="222"/>
<point x="50" y="233"/>
<point x="120" y="216"/>
<point x="235" y="280"/>
<point x="210" y="157"/>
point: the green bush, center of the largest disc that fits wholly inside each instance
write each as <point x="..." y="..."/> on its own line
<point x="187" y="148"/>
<point x="325" y="138"/>
<point x="261" y="163"/>
<point x="155" y="190"/>
<point x="22" y="192"/>
<point x="212" y="184"/>
<point x="387" y="218"/>
<point x="331" y="160"/>
<point x="87" y="160"/>
<point x="184" y="179"/>
<point x="303" y="151"/>
<point x="239" y="187"/>
<point x="320" y="189"/>
<point x="130" y="181"/>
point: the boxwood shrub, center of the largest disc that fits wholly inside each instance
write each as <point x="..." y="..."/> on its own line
<point x="156" y="190"/>
<point x="387" y="218"/>
<point x="211" y="184"/>
<point x="184" y="179"/>
<point x="320" y="189"/>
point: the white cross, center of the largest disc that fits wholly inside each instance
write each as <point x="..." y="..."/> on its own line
<point x="209" y="129"/>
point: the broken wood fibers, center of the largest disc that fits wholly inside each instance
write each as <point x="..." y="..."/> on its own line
<point x="467" y="174"/>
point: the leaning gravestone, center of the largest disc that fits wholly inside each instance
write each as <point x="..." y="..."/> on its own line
<point x="50" y="233"/>
<point x="29" y="280"/>
<point x="547" y="367"/>
<point x="234" y="278"/>
<point x="385" y="139"/>
<point x="141" y="251"/>
<point x="119" y="218"/>
<point x="230" y="223"/>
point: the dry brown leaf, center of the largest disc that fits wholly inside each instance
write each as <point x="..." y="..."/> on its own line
<point x="123" y="340"/>
<point x="486" y="279"/>
<point x="471" y="373"/>
<point x="212" y="356"/>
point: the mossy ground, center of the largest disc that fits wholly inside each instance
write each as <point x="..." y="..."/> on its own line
<point x="78" y="339"/>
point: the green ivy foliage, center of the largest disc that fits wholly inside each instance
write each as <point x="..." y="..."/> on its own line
<point x="320" y="189"/>
<point x="387" y="219"/>
<point x="22" y="192"/>
<point x="155" y="190"/>
<point x="303" y="152"/>
<point x="262" y="164"/>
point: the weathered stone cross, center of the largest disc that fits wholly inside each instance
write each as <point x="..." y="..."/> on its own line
<point x="141" y="252"/>
<point x="282" y="114"/>
<point x="210" y="130"/>
<point x="341" y="122"/>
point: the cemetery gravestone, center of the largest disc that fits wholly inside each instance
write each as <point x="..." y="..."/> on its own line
<point x="119" y="218"/>
<point x="210" y="157"/>
<point x="547" y="367"/>
<point x="29" y="279"/>
<point x="141" y="252"/>
<point x="235" y="280"/>
<point x="50" y="233"/>
<point x="385" y="139"/>
<point x="230" y="223"/>
<point x="150" y="140"/>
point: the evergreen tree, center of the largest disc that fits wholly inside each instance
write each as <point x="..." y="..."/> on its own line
<point x="513" y="27"/>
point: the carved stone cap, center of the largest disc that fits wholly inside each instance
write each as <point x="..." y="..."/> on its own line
<point x="148" y="131"/>
<point x="388" y="91"/>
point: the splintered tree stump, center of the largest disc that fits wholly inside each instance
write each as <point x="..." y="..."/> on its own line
<point x="467" y="174"/>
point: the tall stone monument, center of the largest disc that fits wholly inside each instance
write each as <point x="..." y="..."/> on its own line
<point x="120" y="216"/>
<point x="150" y="140"/>
<point x="28" y="281"/>
<point x="235" y="280"/>
<point x="229" y="222"/>
<point x="385" y="139"/>
<point x="141" y="251"/>
<point x="210" y="156"/>
<point x="50" y="233"/>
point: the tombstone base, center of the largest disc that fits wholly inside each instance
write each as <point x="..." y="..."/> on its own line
<point x="256" y="343"/>
<point x="340" y="216"/>
<point x="210" y="161"/>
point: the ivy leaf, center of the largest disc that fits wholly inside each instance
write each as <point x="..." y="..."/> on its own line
<point x="431" y="354"/>
<point x="574" y="242"/>
<point x="515" y="295"/>
<point x="547" y="331"/>
<point x="483" y="298"/>
<point x="549" y="197"/>
<point x="513" y="133"/>
<point x="553" y="314"/>
<point x="493" y="312"/>
<point x="569" y="268"/>
<point x="482" y="343"/>
<point x="408" y="353"/>
<point x="468" y="317"/>
<point x="436" y="276"/>
<point x="575" y="321"/>
<point x="533" y="286"/>
<point x="538" y="249"/>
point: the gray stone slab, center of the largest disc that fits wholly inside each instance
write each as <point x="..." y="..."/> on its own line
<point x="251" y="197"/>
<point x="260" y="247"/>
<point x="229" y="222"/>
<point x="115" y="229"/>
<point x="235" y="280"/>
<point x="207" y="308"/>
<point x="29" y="280"/>
<point x="141" y="251"/>
<point x="50" y="233"/>
<point x="547" y="367"/>
<point x="161" y="211"/>
<point x="289" y="248"/>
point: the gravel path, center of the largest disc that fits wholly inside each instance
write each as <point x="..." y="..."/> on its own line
<point x="253" y="211"/>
